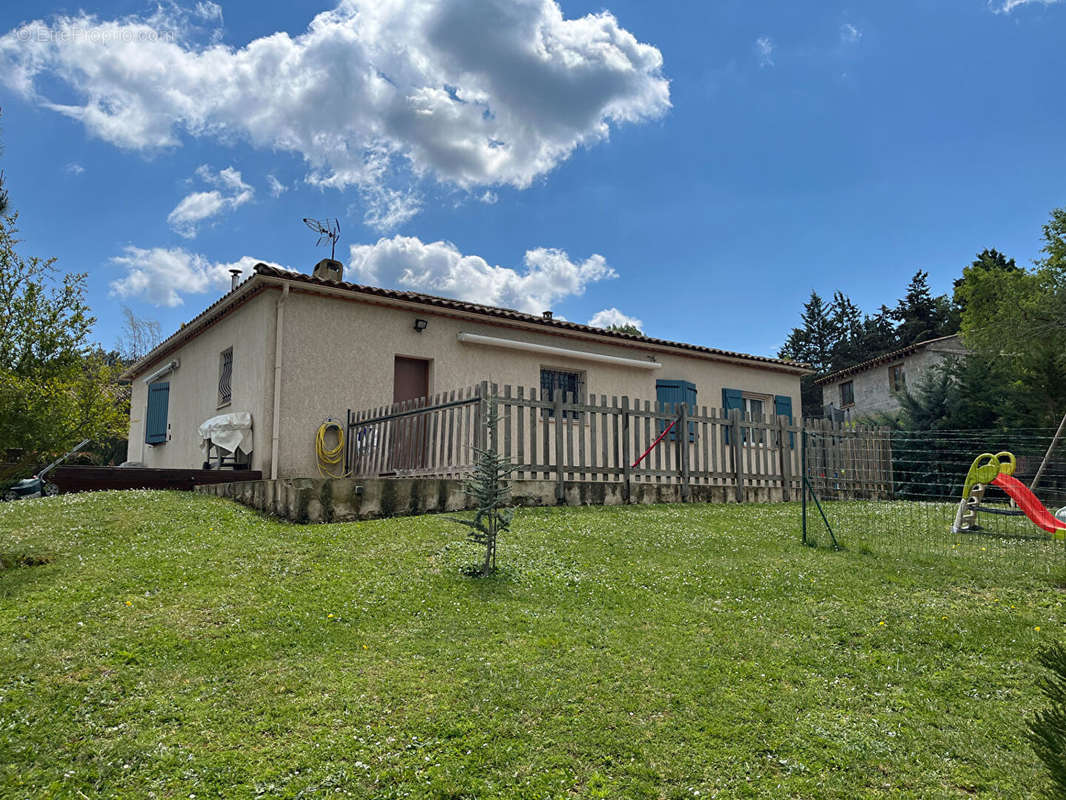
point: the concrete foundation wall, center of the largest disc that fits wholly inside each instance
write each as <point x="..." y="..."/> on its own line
<point x="306" y="500"/>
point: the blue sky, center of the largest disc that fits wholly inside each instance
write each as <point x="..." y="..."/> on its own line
<point x="697" y="166"/>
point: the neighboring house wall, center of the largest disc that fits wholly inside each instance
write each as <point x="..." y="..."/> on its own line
<point x="872" y="387"/>
<point x="340" y="354"/>
<point x="193" y="396"/>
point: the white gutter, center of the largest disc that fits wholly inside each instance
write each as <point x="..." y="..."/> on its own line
<point x="163" y="370"/>
<point x="514" y="344"/>
<point x="275" y="431"/>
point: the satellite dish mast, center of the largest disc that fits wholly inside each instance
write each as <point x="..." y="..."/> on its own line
<point x="327" y="229"/>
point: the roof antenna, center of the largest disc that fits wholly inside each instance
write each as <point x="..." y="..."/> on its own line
<point x="327" y="229"/>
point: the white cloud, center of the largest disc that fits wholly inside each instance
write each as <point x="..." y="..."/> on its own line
<point x="376" y="94"/>
<point x="277" y="188"/>
<point x="849" y="34"/>
<point x="406" y="262"/>
<point x="209" y="11"/>
<point x="74" y="168"/>
<point x="764" y="51"/>
<point x="161" y="276"/>
<point x="1007" y="6"/>
<point x="488" y="197"/>
<point x="612" y="316"/>
<point x="231" y="192"/>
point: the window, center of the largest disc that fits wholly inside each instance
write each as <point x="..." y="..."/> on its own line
<point x="672" y="394"/>
<point x="756" y="407"/>
<point x="897" y="378"/>
<point x="155" y="419"/>
<point x="847" y="394"/>
<point x="570" y="384"/>
<point x="225" y="377"/>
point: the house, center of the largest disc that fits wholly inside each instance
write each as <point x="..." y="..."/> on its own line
<point x="873" y="386"/>
<point x="289" y="351"/>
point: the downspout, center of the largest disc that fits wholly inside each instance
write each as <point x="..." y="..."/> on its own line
<point x="275" y="431"/>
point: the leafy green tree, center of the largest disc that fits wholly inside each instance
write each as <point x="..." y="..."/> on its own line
<point x="633" y="330"/>
<point x="988" y="260"/>
<point x="1015" y="319"/>
<point x="55" y="388"/>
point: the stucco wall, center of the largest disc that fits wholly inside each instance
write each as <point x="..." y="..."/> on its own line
<point x="339" y="354"/>
<point x="194" y="388"/>
<point x="873" y="394"/>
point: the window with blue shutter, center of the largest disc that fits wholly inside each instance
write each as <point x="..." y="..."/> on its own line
<point x="732" y="399"/>
<point x="155" y="420"/>
<point x="783" y="408"/>
<point x="671" y="394"/>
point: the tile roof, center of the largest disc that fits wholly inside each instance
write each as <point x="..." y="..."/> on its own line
<point x="223" y="304"/>
<point x="882" y="359"/>
<point x="517" y="316"/>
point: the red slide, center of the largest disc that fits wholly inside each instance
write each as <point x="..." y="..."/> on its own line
<point x="1028" y="503"/>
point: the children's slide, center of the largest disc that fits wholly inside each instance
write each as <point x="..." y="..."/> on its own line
<point x="1028" y="503"/>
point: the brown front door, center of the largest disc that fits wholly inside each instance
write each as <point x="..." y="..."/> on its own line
<point x="411" y="379"/>
<point x="409" y="434"/>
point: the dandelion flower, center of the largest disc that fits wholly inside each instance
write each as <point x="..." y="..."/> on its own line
<point x="1036" y="628"/>
<point x="129" y="603"/>
<point x="329" y="616"/>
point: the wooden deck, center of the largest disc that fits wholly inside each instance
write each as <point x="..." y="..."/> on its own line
<point x="73" y="478"/>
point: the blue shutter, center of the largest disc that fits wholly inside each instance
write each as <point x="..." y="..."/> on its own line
<point x="155" y="420"/>
<point x="783" y="408"/>
<point x="732" y="398"/>
<point x="672" y="394"/>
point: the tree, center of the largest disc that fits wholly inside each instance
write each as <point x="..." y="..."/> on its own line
<point x="919" y="315"/>
<point x="988" y="260"/>
<point x="1047" y="728"/>
<point x="1015" y="319"/>
<point x="139" y="336"/>
<point x="55" y="388"/>
<point x="3" y="192"/>
<point x="491" y="490"/>
<point x="812" y="344"/>
<point x="633" y="330"/>
<point x="847" y="324"/>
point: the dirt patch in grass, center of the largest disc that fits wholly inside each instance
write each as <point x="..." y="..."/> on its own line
<point x="17" y="560"/>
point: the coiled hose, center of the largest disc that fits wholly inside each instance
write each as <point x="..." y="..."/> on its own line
<point x="329" y="458"/>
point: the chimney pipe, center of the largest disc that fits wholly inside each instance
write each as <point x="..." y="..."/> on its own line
<point x="547" y="315"/>
<point x="234" y="279"/>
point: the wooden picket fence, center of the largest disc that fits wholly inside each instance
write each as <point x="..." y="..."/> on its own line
<point x="564" y="439"/>
<point x="846" y="461"/>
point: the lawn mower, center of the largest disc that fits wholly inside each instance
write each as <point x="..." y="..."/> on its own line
<point x="37" y="486"/>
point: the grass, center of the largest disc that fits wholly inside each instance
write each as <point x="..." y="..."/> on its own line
<point x="171" y="645"/>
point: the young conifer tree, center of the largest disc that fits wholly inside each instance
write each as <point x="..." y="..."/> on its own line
<point x="491" y="490"/>
<point x="1047" y="730"/>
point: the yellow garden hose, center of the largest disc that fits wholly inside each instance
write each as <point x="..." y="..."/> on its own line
<point x="330" y="457"/>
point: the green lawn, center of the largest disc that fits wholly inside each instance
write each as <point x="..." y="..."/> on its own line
<point x="182" y="646"/>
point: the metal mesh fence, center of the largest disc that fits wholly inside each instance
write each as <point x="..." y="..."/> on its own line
<point x="928" y="496"/>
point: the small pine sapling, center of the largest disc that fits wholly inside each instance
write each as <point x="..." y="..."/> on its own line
<point x="491" y="490"/>
<point x="1047" y="730"/>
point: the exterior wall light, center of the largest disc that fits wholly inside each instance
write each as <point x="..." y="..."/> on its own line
<point x="421" y="325"/>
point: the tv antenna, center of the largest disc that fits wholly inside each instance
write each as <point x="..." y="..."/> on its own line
<point x="327" y="230"/>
